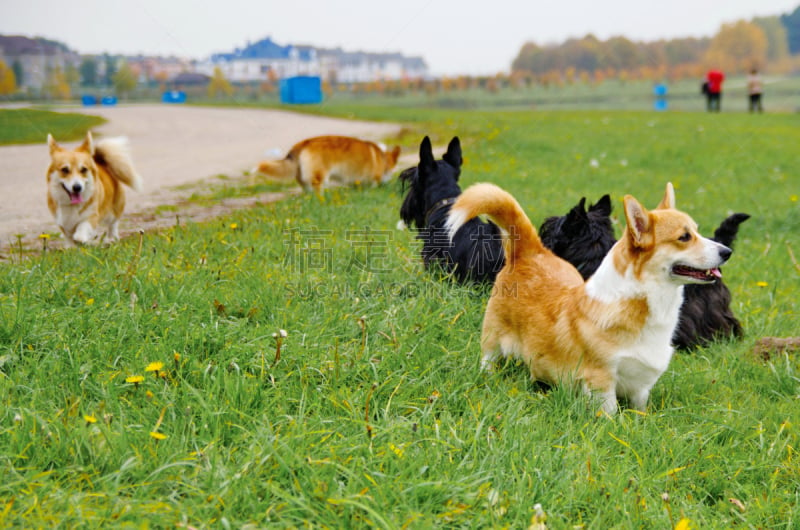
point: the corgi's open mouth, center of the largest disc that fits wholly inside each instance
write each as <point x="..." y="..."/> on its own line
<point x="74" y="196"/>
<point x="697" y="275"/>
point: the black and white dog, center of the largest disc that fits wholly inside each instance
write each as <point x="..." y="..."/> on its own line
<point x="583" y="237"/>
<point x="476" y="251"/>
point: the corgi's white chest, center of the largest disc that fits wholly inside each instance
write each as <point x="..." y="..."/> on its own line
<point x="69" y="217"/>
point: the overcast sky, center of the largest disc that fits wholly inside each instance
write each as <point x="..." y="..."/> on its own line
<point x="466" y="36"/>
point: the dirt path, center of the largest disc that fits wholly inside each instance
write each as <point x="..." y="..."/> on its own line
<point x="172" y="145"/>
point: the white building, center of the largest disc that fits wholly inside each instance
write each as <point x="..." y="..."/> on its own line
<point x="267" y="60"/>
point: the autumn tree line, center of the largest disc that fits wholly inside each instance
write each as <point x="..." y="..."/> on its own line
<point x="767" y="44"/>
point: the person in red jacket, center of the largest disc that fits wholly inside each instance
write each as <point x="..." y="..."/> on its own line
<point x="714" y="80"/>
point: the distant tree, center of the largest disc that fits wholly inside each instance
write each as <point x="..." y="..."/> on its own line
<point x="792" y="24"/>
<point x="88" y="71"/>
<point x="110" y="70"/>
<point x="685" y="51"/>
<point x="738" y="47"/>
<point x="56" y="85"/>
<point x="777" y="39"/>
<point x="124" y="80"/>
<point x="71" y="75"/>
<point x="583" y="54"/>
<point x="539" y="60"/>
<point x="19" y="72"/>
<point x="8" y="80"/>
<point x="219" y="85"/>
<point x="622" y="54"/>
<point x="526" y="57"/>
<point x="161" y="78"/>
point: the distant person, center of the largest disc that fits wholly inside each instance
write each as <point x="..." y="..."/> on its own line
<point x="754" y="89"/>
<point x="713" y="90"/>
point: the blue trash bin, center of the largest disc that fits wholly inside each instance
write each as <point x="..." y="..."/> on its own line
<point x="174" y="96"/>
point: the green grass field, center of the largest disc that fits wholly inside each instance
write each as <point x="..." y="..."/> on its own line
<point x="29" y="126"/>
<point x="376" y="414"/>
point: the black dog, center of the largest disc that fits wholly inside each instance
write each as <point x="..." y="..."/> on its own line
<point x="706" y="313"/>
<point x="583" y="238"/>
<point x="476" y="252"/>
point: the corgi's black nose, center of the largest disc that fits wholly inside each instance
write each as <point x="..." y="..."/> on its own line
<point x="725" y="252"/>
<point x="77" y="188"/>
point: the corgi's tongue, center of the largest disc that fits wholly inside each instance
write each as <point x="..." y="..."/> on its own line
<point x="716" y="272"/>
<point x="75" y="198"/>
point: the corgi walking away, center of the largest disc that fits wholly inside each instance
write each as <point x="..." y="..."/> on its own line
<point x="316" y="161"/>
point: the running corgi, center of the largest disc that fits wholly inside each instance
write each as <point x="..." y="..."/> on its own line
<point x="84" y="187"/>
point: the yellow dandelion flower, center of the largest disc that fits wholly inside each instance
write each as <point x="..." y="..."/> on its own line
<point x="793" y="198"/>
<point x="234" y="226"/>
<point x="399" y="451"/>
<point x="762" y="284"/>
<point x="176" y="357"/>
<point x="157" y="435"/>
<point x="135" y="379"/>
<point x="89" y="418"/>
<point x="154" y="367"/>
<point x="47" y="236"/>
<point x="149" y="394"/>
<point x="684" y="524"/>
<point x="90" y="301"/>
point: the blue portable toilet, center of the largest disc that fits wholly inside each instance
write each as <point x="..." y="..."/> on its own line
<point x="88" y="100"/>
<point x="109" y="100"/>
<point x="301" y="89"/>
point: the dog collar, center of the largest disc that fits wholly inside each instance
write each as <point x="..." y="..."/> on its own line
<point x="438" y="206"/>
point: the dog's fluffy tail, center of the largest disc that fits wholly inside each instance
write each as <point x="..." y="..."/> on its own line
<point x="114" y="155"/>
<point x="519" y="235"/>
<point x="727" y="231"/>
<point x="283" y="169"/>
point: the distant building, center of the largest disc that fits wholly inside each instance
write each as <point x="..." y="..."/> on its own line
<point x="35" y="58"/>
<point x="359" y="67"/>
<point x="148" y="68"/>
<point x="261" y="61"/>
<point x="267" y="60"/>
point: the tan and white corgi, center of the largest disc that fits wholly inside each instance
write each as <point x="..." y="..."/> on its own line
<point x="84" y="187"/>
<point x="316" y="161"/>
<point x="612" y="333"/>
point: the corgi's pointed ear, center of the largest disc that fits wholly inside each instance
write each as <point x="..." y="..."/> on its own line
<point x="51" y="143"/>
<point x="453" y="154"/>
<point x="638" y="219"/>
<point x="668" y="202"/>
<point x="88" y="144"/>
<point x="395" y="154"/>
